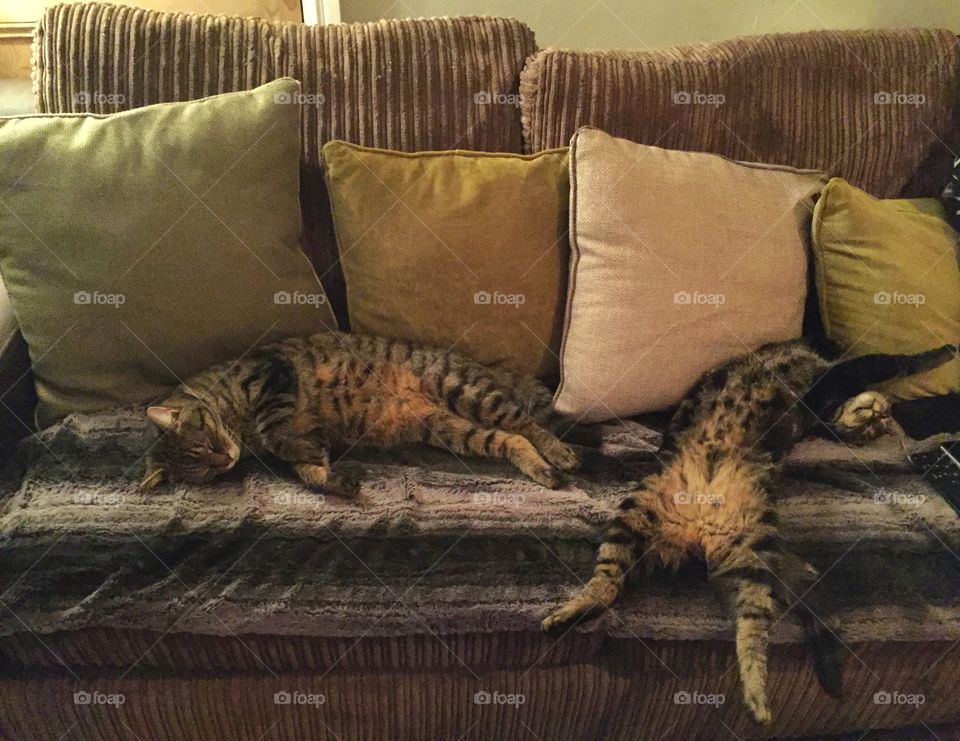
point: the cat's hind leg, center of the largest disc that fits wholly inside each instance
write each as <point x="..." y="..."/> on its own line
<point x="630" y="530"/>
<point x="745" y="583"/>
<point x="481" y="395"/>
<point x="463" y="437"/>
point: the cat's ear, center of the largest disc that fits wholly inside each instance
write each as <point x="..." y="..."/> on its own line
<point x="152" y="478"/>
<point x="163" y="417"/>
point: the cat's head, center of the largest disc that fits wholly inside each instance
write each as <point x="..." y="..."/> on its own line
<point x="194" y="446"/>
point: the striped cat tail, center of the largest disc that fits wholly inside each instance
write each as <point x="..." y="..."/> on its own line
<point x="614" y="559"/>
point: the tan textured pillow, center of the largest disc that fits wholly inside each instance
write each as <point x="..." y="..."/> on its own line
<point x="680" y="260"/>
<point x="455" y="249"/>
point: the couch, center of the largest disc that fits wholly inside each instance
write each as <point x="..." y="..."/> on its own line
<point x="255" y="610"/>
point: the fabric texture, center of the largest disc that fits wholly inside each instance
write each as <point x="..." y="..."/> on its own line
<point x="141" y="247"/>
<point x="455" y="249"/>
<point x="440" y="565"/>
<point x="440" y="83"/>
<point x="426" y="687"/>
<point x="888" y="280"/>
<point x="868" y="106"/>
<point x="667" y="281"/>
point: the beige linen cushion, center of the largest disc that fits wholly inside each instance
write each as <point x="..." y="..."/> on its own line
<point x="680" y="260"/>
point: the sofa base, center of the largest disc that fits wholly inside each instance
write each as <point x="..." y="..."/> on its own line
<point x="426" y="687"/>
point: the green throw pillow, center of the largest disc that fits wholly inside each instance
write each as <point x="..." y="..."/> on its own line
<point x="888" y="280"/>
<point x="139" y="248"/>
<point x="455" y="249"/>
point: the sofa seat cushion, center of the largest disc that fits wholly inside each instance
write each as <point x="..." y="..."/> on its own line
<point x="434" y="544"/>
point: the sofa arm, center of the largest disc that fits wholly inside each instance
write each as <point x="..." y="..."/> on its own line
<point x="17" y="395"/>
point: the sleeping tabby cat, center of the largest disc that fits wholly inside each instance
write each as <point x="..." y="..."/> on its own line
<point x="297" y="398"/>
<point x="710" y="498"/>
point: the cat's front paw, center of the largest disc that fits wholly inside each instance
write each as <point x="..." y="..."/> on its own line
<point x="313" y="475"/>
<point x="864" y="418"/>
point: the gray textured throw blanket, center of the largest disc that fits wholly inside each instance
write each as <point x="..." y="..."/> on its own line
<point x="434" y="544"/>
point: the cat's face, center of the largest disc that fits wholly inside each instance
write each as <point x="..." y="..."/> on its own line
<point x="193" y="446"/>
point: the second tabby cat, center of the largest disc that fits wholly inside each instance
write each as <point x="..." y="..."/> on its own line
<point x="299" y="397"/>
<point x="711" y="499"/>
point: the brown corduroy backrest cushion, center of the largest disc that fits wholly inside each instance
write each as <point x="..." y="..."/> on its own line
<point x="400" y="84"/>
<point x="868" y="106"/>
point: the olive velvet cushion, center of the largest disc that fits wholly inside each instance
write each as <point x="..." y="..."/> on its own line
<point x="141" y="247"/>
<point x="464" y="250"/>
<point x="888" y="280"/>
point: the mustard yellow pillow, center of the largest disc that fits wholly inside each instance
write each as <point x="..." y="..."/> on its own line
<point x="888" y="280"/>
<point x="455" y="249"/>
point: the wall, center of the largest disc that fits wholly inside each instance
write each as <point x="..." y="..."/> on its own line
<point x="15" y="52"/>
<point x="636" y="24"/>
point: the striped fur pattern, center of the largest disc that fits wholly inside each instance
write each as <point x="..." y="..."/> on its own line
<point x="711" y="497"/>
<point x="301" y="397"/>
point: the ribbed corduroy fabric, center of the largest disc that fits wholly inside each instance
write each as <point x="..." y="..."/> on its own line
<point x="441" y="83"/>
<point x="421" y="687"/>
<point x="868" y="106"/>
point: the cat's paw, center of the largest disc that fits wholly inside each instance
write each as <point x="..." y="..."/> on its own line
<point x="864" y="418"/>
<point x="563" y="457"/>
<point x="756" y="702"/>
<point x="313" y="475"/>
<point x="545" y="475"/>
<point x="558" y="620"/>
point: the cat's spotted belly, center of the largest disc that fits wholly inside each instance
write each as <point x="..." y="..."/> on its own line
<point x="388" y="407"/>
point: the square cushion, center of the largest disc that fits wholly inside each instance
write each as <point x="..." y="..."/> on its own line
<point x="888" y="280"/>
<point x="141" y="247"/>
<point x="406" y="84"/>
<point x="680" y="260"/>
<point x="455" y="249"/>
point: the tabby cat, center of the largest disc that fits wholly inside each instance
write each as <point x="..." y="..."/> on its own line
<point x="710" y="498"/>
<point x="297" y="398"/>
